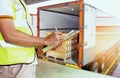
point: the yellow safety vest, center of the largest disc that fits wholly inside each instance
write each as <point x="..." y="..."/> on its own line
<point x="13" y="54"/>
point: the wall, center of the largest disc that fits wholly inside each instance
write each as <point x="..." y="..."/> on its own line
<point x="34" y="23"/>
<point x="64" y="22"/>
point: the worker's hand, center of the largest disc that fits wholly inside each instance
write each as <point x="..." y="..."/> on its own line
<point x="59" y="48"/>
<point x="54" y="38"/>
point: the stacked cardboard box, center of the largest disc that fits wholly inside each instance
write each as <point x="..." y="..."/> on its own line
<point x="63" y="51"/>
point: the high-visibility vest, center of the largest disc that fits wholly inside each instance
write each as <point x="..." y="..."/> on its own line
<point x="11" y="53"/>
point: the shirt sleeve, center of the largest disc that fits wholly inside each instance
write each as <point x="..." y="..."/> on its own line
<point x="6" y="9"/>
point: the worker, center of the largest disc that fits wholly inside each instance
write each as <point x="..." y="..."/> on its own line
<point x="17" y="53"/>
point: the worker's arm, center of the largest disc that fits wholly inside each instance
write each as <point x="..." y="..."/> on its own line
<point x="14" y="36"/>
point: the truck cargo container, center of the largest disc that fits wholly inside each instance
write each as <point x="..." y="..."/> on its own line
<point x="94" y="51"/>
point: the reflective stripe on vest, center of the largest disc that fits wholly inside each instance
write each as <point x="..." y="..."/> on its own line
<point x="13" y="54"/>
<point x="26" y="14"/>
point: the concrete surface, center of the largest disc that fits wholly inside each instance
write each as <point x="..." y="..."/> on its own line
<point x="46" y="69"/>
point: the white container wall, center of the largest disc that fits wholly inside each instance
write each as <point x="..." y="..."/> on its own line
<point x="50" y="20"/>
<point x="89" y="34"/>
